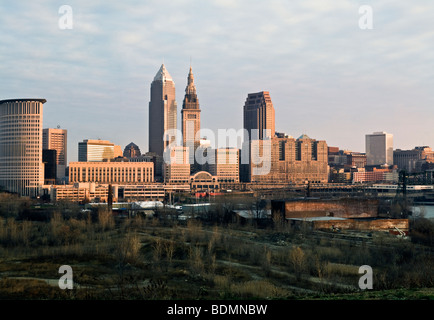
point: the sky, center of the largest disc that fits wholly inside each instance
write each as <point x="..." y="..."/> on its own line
<point x="328" y="75"/>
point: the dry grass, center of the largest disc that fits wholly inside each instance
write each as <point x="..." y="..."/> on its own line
<point x="258" y="289"/>
<point x="193" y="260"/>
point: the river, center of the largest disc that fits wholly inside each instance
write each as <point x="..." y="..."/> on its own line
<point x="426" y="210"/>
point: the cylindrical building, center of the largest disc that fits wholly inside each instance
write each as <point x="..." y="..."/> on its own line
<point x="21" y="166"/>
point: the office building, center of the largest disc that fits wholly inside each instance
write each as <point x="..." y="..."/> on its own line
<point x="288" y="160"/>
<point x="176" y="168"/>
<point x="111" y="172"/>
<point x="356" y="159"/>
<point x="117" y="151"/>
<point x="379" y="149"/>
<point x="225" y="164"/>
<point x="190" y="115"/>
<point x="97" y="150"/>
<point x="21" y="166"/>
<point x="345" y="158"/>
<point x="384" y="175"/>
<point x="80" y="192"/>
<point x="162" y="112"/>
<point x="258" y="115"/>
<point x="49" y="158"/>
<point x="413" y="160"/>
<point x="56" y="139"/>
<point x="131" y="151"/>
<point x="96" y="192"/>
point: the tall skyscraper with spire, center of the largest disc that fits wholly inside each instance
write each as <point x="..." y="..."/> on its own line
<point x="162" y="112"/>
<point x="190" y="115"/>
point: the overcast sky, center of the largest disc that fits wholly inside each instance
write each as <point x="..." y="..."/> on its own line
<point x="327" y="77"/>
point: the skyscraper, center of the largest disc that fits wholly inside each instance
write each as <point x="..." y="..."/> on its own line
<point x="379" y="149"/>
<point x="49" y="158"/>
<point x="21" y="166"/>
<point x="259" y="114"/>
<point x="56" y="139"/>
<point x="132" y="151"/>
<point x="162" y="112"/>
<point x="190" y="114"/>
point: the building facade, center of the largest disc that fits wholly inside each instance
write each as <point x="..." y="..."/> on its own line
<point x="225" y="165"/>
<point x="288" y="160"/>
<point x="379" y="149"/>
<point x="258" y="115"/>
<point x="131" y="151"/>
<point x="376" y="175"/>
<point x="413" y="160"/>
<point x="176" y="168"/>
<point x="97" y="150"/>
<point x="49" y="158"/>
<point x="91" y="191"/>
<point x="56" y="139"/>
<point x="190" y="115"/>
<point x="356" y="159"/>
<point x="21" y="166"/>
<point x="204" y="181"/>
<point x="80" y="192"/>
<point x="162" y="112"/>
<point x="111" y="172"/>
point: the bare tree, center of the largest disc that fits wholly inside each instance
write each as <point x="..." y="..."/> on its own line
<point x="297" y="258"/>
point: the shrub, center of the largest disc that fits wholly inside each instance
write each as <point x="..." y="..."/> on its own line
<point x="297" y="259"/>
<point x="422" y="231"/>
<point x="261" y="289"/>
<point x="106" y="220"/>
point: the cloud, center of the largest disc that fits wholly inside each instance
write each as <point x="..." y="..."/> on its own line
<point x="311" y="55"/>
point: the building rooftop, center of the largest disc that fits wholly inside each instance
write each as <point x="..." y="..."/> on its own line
<point x="303" y="136"/>
<point x="21" y="100"/>
<point x="163" y="74"/>
<point x="97" y="141"/>
<point x="317" y="218"/>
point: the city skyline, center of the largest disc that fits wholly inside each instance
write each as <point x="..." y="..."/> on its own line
<point x="320" y="68"/>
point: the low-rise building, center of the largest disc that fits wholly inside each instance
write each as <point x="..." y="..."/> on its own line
<point x="176" y="166"/>
<point x="413" y="160"/>
<point x="95" y="192"/>
<point x="376" y="175"/>
<point x="111" y="172"/>
<point x="79" y="192"/>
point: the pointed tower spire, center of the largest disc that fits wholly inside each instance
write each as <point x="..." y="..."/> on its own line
<point x="191" y="88"/>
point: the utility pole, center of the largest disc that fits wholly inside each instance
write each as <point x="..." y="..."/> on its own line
<point x="110" y="198"/>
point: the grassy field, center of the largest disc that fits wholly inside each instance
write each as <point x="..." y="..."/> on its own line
<point x="143" y="258"/>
